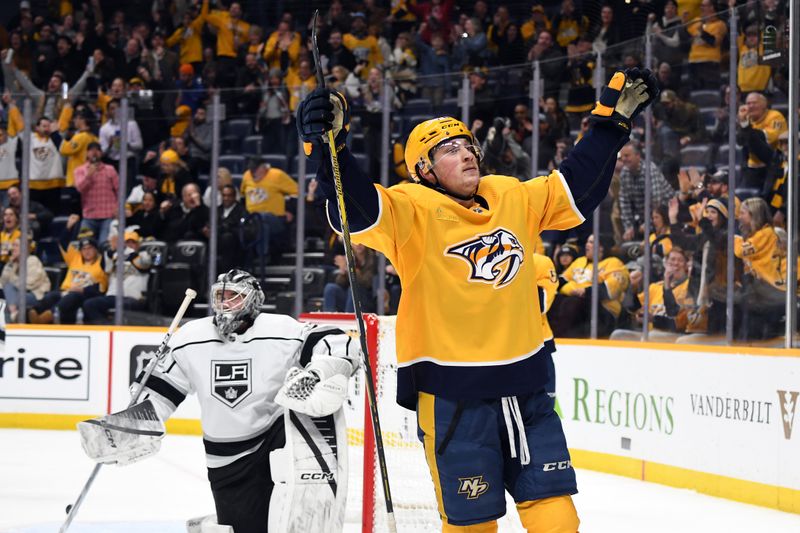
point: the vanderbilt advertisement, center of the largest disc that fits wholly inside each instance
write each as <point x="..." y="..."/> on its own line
<point x="702" y="411"/>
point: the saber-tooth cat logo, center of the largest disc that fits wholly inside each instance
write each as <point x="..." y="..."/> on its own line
<point x="493" y="258"/>
<point x="230" y="381"/>
<point x="788" y="402"/>
<point x="472" y="486"/>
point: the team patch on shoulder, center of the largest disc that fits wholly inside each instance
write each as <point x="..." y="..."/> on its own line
<point x="494" y="257"/>
<point x="231" y="381"/>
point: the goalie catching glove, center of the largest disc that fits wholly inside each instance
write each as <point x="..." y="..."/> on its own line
<point x="320" y="112"/>
<point x="125" y="437"/>
<point x="627" y="94"/>
<point x="319" y="389"/>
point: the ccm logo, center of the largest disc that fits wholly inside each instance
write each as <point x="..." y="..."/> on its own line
<point x="317" y="476"/>
<point x="560" y="465"/>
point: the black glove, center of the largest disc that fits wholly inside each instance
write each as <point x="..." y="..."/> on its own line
<point x="320" y="112"/>
<point x="626" y="95"/>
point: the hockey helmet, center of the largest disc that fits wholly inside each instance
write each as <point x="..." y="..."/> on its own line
<point x="235" y="299"/>
<point x="428" y="135"/>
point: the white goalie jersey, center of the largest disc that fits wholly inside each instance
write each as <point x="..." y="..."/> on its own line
<point x="236" y="382"/>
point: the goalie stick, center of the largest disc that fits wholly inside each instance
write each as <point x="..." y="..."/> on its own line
<point x="72" y="510"/>
<point x="351" y="274"/>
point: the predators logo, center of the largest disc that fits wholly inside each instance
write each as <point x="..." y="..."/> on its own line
<point x="494" y="257"/>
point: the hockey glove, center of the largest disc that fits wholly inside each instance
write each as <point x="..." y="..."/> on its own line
<point x="319" y="389"/>
<point x="320" y="112"/>
<point x="123" y="438"/>
<point x="626" y="95"/>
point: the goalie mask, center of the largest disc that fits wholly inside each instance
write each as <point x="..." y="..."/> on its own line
<point x="235" y="299"/>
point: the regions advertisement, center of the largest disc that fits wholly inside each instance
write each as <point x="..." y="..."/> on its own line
<point x="721" y="413"/>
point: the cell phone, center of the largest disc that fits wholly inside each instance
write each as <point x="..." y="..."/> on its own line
<point x="9" y="56"/>
<point x="65" y="90"/>
<point x="90" y="63"/>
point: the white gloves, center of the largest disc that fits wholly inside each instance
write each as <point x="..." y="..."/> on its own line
<point x="319" y="389"/>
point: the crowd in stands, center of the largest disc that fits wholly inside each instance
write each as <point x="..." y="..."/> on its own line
<point x="77" y="61"/>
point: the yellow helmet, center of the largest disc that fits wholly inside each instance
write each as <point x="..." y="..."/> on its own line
<point x="425" y="137"/>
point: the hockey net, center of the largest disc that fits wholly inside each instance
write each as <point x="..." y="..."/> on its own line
<point x="412" y="490"/>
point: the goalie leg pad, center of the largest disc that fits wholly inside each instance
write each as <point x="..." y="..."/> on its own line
<point x="314" y="496"/>
<point x="206" y="524"/>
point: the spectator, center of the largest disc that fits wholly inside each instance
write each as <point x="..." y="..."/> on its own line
<point x="752" y="75"/>
<point x="372" y="118"/>
<point x="764" y="258"/>
<point x="569" y="24"/>
<point x="537" y="23"/>
<point x="174" y="173"/>
<point x="198" y="137"/>
<point x="98" y="184"/>
<point x="336" y="295"/>
<point x="434" y="17"/>
<point x="502" y="154"/>
<point x="10" y="232"/>
<point x="39" y="216"/>
<point x="248" y="80"/>
<point x="46" y="169"/>
<point x="161" y="62"/>
<point x="666" y="81"/>
<point x="110" y="139"/>
<point x="345" y="82"/>
<point x="71" y="62"/>
<point x="571" y="312"/>
<point x="147" y="218"/>
<point x="232" y="32"/>
<point x="358" y="39"/>
<point x="132" y="59"/>
<point x="434" y="69"/>
<point x="76" y="146"/>
<point x="605" y="37"/>
<point x="134" y="280"/>
<point x="36" y="282"/>
<point x="484" y="103"/>
<point x="178" y="144"/>
<point x="669" y="300"/>
<point x="632" y="184"/>
<point x="659" y="239"/>
<point x="9" y="173"/>
<point x="274" y="115"/>
<point x="706" y="34"/>
<point x="282" y="50"/>
<point x="189" y="38"/>
<point x="336" y="53"/>
<point x="758" y="132"/>
<point x="497" y="31"/>
<point x="149" y="183"/>
<point x="403" y="65"/>
<point x="667" y="43"/>
<point x="778" y="177"/>
<point x="580" y="72"/>
<point x="564" y="255"/>
<point x="224" y="178"/>
<point x="186" y="219"/>
<point x="300" y="83"/>
<point x="551" y="62"/>
<point x="471" y="46"/>
<point x="191" y="91"/>
<point x="86" y="277"/>
<point x="234" y="230"/>
<point x="149" y="114"/>
<point x="678" y="124"/>
<point x="265" y="189"/>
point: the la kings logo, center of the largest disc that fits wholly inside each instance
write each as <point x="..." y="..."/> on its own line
<point x="788" y="404"/>
<point x="231" y="381"/>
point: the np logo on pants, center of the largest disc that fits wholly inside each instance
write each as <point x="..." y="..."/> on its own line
<point x="472" y="486"/>
<point x="230" y="381"/>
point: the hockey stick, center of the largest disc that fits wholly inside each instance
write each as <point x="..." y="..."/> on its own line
<point x="351" y="274"/>
<point x="72" y="510"/>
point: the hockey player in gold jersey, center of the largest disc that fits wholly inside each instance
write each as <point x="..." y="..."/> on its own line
<point x="471" y="353"/>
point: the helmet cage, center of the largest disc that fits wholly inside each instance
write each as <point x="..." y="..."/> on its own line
<point x="244" y="297"/>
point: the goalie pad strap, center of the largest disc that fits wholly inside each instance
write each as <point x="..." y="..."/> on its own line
<point x="312" y="340"/>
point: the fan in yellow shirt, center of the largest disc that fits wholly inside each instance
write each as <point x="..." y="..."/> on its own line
<point x="265" y="189"/>
<point x="74" y="148"/>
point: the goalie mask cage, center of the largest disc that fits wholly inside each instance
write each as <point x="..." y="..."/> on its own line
<point x="415" y="507"/>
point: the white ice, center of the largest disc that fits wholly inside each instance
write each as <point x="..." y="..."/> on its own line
<point x="43" y="471"/>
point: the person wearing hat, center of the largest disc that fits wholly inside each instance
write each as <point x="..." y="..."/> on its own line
<point x="86" y="277"/>
<point x="678" y="123"/>
<point x="752" y="74"/>
<point x="98" y="184"/>
<point x="536" y="23"/>
<point x="571" y="312"/>
<point x="358" y="38"/>
<point x="191" y="91"/>
<point x="134" y="280"/>
<point x="173" y="173"/>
